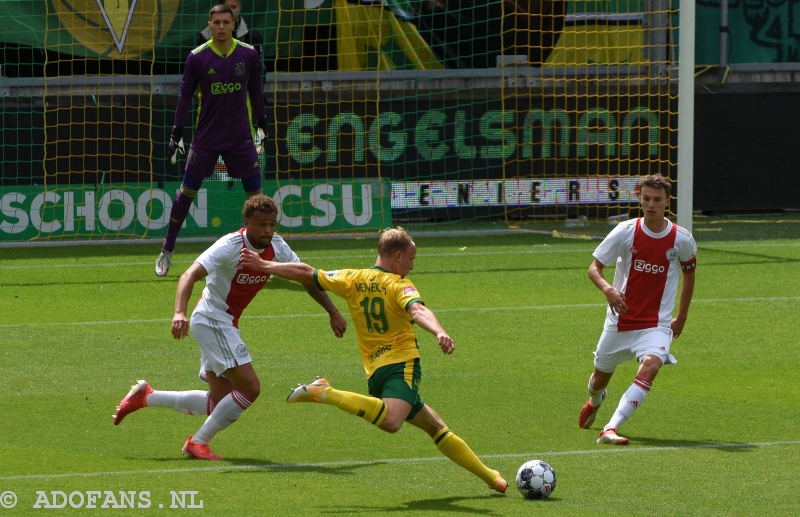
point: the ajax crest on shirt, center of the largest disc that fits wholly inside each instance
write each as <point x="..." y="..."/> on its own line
<point x="672" y="254"/>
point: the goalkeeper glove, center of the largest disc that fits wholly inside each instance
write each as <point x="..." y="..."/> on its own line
<point x="262" y="134"/>
<point x="176" y="144"/>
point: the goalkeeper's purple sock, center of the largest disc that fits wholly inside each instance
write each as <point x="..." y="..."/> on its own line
<point x="180" y="209"/>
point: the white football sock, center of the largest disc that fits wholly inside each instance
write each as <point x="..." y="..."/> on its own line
<point x="596" y="396"/>
<point x="194" y="402"/>
<point x="630" y="400"/>
<point x="228" y="411"/>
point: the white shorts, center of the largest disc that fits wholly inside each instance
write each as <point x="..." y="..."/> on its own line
<point x="617" y="347"/>
<point x="221" y="345"/>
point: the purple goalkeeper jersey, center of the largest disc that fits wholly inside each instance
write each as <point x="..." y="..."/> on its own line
<point x="229" y="86"/>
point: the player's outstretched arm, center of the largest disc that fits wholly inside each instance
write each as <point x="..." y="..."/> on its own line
<point x="338" y="323"/>
<point x="425" y="318"/>
<point x="297" y="271"/>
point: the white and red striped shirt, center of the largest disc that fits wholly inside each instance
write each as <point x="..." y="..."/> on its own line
<point x="229" y="286"/>
<point x="647" y="272"/>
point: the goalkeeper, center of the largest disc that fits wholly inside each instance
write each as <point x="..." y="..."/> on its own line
<point x="227" y="74"/>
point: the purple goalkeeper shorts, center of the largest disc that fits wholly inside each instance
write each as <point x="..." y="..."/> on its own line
<point x="241" y="162"/>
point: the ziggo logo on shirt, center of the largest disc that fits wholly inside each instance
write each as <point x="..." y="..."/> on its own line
<point x="244" y="278"/>
<point x="641" y="265"/>
<point x="218" y="88"/>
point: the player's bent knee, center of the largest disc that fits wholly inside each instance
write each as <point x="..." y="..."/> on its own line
<point x="252" y="390"/>
<point x="651" y="364"/>
<point x="391" y="425"/>
<point x="255" y="391"/>
<point x="653" y="361"/>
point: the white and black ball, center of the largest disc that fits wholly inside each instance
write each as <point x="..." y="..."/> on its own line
<point x="536" y="479"/>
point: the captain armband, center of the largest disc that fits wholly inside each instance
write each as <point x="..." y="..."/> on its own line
<point x="690" y="265"/>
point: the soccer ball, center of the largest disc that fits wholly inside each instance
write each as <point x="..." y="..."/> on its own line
<point x="536" y="479"/>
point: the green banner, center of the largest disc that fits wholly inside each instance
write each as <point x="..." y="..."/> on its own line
<point x="165" y="29"/>
<point x="33" y="213"/>
<point x="759" y="32"/>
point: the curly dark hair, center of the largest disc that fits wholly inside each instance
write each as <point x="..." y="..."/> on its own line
<point x="259" y="203"/>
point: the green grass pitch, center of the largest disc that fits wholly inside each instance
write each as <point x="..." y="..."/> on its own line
<point x="717" y="436"/>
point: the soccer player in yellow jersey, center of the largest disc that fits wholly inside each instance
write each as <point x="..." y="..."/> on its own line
<point x="384" y="304"/>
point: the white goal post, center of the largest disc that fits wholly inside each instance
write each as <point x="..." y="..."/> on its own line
<point x="686" y="60"/>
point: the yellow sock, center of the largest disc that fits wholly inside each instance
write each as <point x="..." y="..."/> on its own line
<point x="458" y="451"/>
<point x="369" y="408"/>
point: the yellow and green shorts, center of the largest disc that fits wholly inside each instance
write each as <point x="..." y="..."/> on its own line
<point x="398" y="381"/>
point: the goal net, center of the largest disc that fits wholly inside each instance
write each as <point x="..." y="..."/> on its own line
<point x="437" y="115"/>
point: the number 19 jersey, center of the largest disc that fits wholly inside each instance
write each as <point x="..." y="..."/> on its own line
<point x="378" y="301"/>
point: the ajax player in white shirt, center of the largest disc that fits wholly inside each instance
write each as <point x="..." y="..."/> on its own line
<point x="650" y="254"/>
<point x="225" y="363"/>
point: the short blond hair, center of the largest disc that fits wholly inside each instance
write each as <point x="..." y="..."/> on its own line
<point x="393" y="240"/>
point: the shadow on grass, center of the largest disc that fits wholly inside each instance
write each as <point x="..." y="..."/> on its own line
<point x="448" y="504"/>
<point x="692" y="444"/>
<point x="254" y="465"/>
<point x="251" y="465"/>
<point x="441" y="505"/>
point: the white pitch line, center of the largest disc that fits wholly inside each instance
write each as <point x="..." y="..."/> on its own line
<point x="465" y="309"/>
<point x="356" y="463"/>
<point x="370" y="256"/>
<point x="721" y="247"/>
<point x="158" y="320"/>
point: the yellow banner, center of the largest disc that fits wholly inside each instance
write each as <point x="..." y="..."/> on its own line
<point x="599" y="44"/>
<point x="370" y="37"/>
<point x="116" y="29"/>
